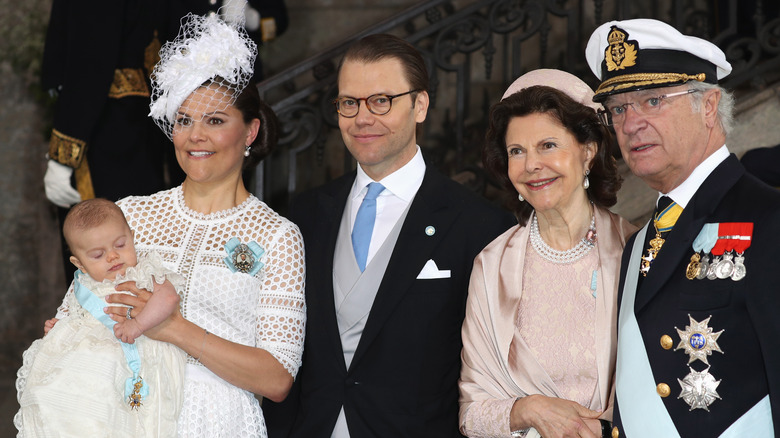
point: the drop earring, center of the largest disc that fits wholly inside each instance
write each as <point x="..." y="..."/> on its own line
<point x="246" y="151"/>
<point x="586" y="181"/>
<point x="520" y="197"/>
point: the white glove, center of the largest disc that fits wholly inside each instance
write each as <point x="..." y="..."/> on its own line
<point x="57" y="185"/>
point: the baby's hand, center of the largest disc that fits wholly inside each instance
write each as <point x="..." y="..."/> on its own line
<point x="127" y="331"/>
<point x="48" y="325"/>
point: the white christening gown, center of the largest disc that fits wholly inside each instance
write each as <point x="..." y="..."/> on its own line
<point x="72" y="381"/>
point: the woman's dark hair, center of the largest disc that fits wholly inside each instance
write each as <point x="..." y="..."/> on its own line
<point x="252" y="107"/>
<point x="580" y="120"/>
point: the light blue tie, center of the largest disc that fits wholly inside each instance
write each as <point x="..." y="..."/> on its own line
<point x="364" y="224"/>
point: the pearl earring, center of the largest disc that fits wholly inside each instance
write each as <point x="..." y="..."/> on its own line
<point x="586" y="182"/>
<point x="246" y="151"/>
<point x="520" y="197"/>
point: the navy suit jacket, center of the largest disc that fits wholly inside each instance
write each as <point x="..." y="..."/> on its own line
<point x="402" y="381"/>
<point x="745" y="310"/>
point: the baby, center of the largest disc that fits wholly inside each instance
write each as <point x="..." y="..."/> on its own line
<point x="80" y="379"/>
<point x="102" y="246"/>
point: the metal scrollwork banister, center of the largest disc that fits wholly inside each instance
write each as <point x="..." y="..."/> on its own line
<point x="505" y="36"/>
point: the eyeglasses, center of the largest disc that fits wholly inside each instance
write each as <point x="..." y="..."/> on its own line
<point x="378" y="104"/>
<point x="647" y="106"/>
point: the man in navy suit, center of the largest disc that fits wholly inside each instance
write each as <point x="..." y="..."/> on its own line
<point x="698" y="350"/>
<point x="382" y="352"/>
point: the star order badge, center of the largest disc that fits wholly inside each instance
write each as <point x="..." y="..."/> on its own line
<point x="699" y="389"/>
<point x="698" y="340"/>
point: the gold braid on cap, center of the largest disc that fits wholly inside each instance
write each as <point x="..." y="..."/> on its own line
<point x="641" y="79"/>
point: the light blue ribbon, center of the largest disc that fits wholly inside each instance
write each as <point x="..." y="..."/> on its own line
<point x="706" y="239"/>
<point x="94" y="305"/>
<point x="254" y="247"/>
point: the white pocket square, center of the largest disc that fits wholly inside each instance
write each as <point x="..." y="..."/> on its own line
<point x="431" y="271"/>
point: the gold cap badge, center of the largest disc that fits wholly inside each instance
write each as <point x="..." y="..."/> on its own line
<point x="620" y="52"/>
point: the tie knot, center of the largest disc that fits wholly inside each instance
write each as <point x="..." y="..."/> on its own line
<point x="663" y="202"/>
<point x="666" y="214"/>
<point x="374" y="189"/>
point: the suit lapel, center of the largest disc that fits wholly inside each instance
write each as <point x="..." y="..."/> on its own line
<point x="330" y="204"/>
<point x="679" y="242"/>
<point x="431" y="206"/>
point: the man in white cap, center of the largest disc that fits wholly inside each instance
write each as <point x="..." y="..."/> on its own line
<point x="698" y="334"/>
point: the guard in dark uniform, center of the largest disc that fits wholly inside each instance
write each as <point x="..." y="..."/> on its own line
<point x="698" y="332"/>
<point x="97" y="60"/>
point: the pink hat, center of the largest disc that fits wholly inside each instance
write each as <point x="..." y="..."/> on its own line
<point x="573" y="86"/>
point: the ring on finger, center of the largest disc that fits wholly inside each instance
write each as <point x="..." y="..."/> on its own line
<point x="127" y="315"/>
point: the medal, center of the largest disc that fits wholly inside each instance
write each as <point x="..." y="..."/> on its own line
<point x="739" y="268"/>
<point x="694" y="267"/>
<point x="704" y="267"/>
<point x="711" y="271"/>
<point x="698" y="340"/>
<point x="699" y="389"/>
<point x="655" y="245"/>
<point x="733" y="237"/>
<point x="741" y="243"/>
<point x="725" y="267"/>
<point x="243" y="259"/>
<point x="663" y="223"/>
<point x="135" y="398"/>
<point x="703" y="244"/>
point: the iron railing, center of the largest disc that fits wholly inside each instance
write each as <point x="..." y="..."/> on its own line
<point x="473" y="51"/>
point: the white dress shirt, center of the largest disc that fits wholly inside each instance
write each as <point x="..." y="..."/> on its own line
<point x="683" y="193"/>
<point x="400" y="188"/>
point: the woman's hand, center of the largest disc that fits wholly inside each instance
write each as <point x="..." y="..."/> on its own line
<point x="555" y="417"/>
<point x="137" y="301"/>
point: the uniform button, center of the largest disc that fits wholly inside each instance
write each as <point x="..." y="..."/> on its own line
<point x="615" y="432"/>
<point x="663" y="390"/>
<point x="213" y="2"/>
<point x="666" y="342"/>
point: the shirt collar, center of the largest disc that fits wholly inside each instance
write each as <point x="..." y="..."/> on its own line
<point x="402" y="183"/>
<point x="683" y="193"/>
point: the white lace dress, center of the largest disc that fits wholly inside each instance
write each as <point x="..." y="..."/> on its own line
<point x="265" y="309"/>
<point x="72" y="381"/>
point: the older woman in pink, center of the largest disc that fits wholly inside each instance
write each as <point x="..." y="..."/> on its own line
<point x="539" y="337"/>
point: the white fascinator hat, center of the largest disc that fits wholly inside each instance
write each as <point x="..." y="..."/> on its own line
<point x="207" y="52"/>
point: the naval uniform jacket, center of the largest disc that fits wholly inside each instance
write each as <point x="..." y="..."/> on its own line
<point x="746" y="310"/>
<point x="403" y="378"/>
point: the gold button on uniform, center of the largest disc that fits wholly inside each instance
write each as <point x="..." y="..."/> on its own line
<point x="666" y="342"/>
<point x="663" y="390"/>
<point x="615" y="432"/>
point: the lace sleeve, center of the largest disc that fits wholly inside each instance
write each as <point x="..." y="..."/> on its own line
<point x="281" y="312"/>
<point x="487" y="419"/>
<point x="67" y="302"/>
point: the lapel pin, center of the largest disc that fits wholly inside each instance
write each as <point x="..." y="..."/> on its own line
<point x="430" y="230"/>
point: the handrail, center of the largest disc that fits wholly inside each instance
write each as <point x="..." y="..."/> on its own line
<point x="512" y="36"/>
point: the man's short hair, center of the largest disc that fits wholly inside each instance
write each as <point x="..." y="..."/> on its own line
<point x="378" y="47"/>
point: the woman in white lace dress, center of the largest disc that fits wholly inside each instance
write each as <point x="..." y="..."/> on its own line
<point x="539" y="336"/>
<point x="242" y="311"/>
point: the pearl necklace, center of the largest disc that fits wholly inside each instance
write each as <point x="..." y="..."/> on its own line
<point x="562" y="257"/>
